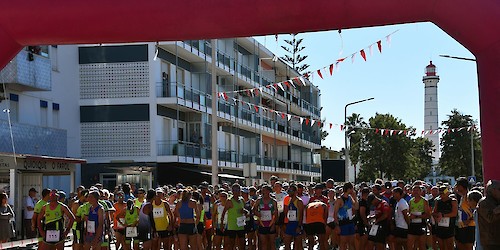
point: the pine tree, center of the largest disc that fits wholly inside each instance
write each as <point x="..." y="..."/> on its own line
<point x="294" y="58"/>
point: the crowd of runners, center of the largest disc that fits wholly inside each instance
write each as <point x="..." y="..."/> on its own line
<point x="289" y="215"/>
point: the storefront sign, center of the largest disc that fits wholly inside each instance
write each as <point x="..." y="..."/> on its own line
<point x="39" y="165"/>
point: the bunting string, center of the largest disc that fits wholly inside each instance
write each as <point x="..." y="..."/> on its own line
<point x="321" y="72"/>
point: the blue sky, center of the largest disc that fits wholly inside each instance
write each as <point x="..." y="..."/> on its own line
<point x="393" y="78"/>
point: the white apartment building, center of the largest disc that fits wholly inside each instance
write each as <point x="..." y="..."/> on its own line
<point x="145" y="119"/>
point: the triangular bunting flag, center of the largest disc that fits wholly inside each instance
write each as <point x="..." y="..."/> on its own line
<point x="331" y="69"/>
<point x="388" y="40"/>
<point x="341" y="59"/>
<point x="307" y="121"/>
<point x="331" y="125"/>
<point x="400" y="132"/>
<point x="382" y="131"/>
<point x="379" y="45"/>
<point x="320" y="124"/>
<point x="301" y="120"/>
<point x="370" y="49"/>
<point x="393" y="132"/>
<point x="256" y="109"/>
<point x="281" y="86"/>
<point x="362" y="52"/>
<point x="376" y="131"/>
<point x="312" y="122"/>
<point x="225" y="96"/>
<point x="289" y="117"/>
<point x="319" y="73"/>
<point x="387" y="132"/>
<point x="353" y="57"/>
<point x="282" y="115"/>
<point x="341" y="127"/>
<point x="302" y="80"/>
<point x="296" y="79"/>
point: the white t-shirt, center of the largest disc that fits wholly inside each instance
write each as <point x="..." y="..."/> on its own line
<point x="29" y="202"/>
<point x="280" y="197"/>
<point x="399" y="217"/>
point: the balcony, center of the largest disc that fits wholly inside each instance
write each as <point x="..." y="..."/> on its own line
<point x="21" y="74"/>
<point x="175" y="93"/>
<point x="31" y="139"/>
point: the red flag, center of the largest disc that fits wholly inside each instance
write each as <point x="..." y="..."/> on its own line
<point x="283" y="115"/>
<point x="296" y="79"/>
<point x="341" y="127"/>
<point x="379" y="45"/>
<point x="256" y="108"/>
<point x="363" y="54"/>
<point x="405" y="132"/>
<point x="341" y="59"/>
<point x="319" y="124"/>
<point x="376" y="131"/>
<point x="331" y="69"/>
<point x="319" y="73"/>
<point x="225" y="96"/>
<point x="307" y="121"/>
<point x="331" y="126"/>
<point x="287" y="84"/>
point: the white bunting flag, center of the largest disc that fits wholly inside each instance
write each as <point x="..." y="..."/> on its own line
<point x="353" y="57"/>
<point x="281" y="86"/>
<point x="289" y="117"/>
<point x="301" y="120"/>
<point x="302" y="80"/>
<point x="312" y="122"/>
<point x="370" y="48"/>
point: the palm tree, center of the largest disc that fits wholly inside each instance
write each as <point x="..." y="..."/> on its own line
<point x="355" y="125"/>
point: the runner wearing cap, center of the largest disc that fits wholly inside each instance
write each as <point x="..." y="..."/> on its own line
<point x="162" y="218"/>
<point x="445" y="213"/>
<point x="265" y="208"/>
<point x="53" y="230"/>
<point x="35" y="221"/>
<point x="235" y="209"/>
<point x="380" y="222"/>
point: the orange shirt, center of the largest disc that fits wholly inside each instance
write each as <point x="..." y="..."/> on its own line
<point x="315" y="212"/>
<point x="119" y="220"/>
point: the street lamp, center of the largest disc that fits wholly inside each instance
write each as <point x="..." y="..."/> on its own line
<point x="346" y="148"/>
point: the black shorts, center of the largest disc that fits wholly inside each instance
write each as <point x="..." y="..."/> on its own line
<point x="466" y="235"/>
<point x="267" y="230"/>
<point x="400" y="233"/>
<point x="250" y="226"/>
<point x="143" y="236"/>
<point x="314" y="228"/>
<point x="331" y="225"/>
<point x="444" y="232"/>
<point x="200" y="227"/>
<point x="187" y="228"/>
<point x="361" y="229"/>
<point x="235" y="233"/>
<point x="218" y="232"/>
<point x="381" y="235"/>
<point x="417" y="229"/>
<point x="281" y="219"/>
<point x="165" y="234"/>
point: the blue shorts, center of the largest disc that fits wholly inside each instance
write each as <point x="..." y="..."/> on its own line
<point x="347" y="230"/>
<point x="291" y="228"/>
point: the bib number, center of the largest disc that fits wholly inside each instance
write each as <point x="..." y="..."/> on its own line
<point x="158" y="212"/>
<point x="445" y="222"/>
<point x="266" y="215"/>
<point x="206" y="207"/>
<point x="280" y="206"/>
<point x="374" y="230"/>
<point x="131" y="232"/>
<point x="329" y="220"/>
<point x="53" y="236"/>
<point x="240" y="221"/>
<point x="91" y="227"/>
<point x="292" y="215"/>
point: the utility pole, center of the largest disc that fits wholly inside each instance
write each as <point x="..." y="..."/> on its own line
<point x="215" y="147"/>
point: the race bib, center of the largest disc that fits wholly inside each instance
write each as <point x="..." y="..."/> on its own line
<point x="292" y="215"/>
<point x="329" y="220"/>
<point x="91" y="227"/>
<point x="240" y="221"/>
<point x="131" y="232"/>
<point x="266" y="215"/>
<point x="445" y="222"/>
<point x="206" y="207"/>
<point x="459" y="216"/>
<point x="158" y="212"/>
<point x="372" y="213"/>
<point x="417" y="220"/>
<point x="374" y="230"/>
<point x="53" y="236"/>
<point x="349" y="214"/>
<point x="280" y="206"/>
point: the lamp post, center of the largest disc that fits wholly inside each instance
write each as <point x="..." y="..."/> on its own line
<point x="346" y="146"/>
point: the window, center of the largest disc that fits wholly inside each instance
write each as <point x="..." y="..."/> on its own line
<point x="180" y="76"/>
<point x="430" y="112"/>
<point x="55" y="115"/>
<point x="43" y="113"/>
<point x="14" y="107"/>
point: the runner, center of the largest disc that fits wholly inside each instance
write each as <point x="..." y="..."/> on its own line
<point x="316" y="215"/>
<point x="249" y="221"/>
<point x="141" y="193"/>
<point x="218" y="222"/>
<point x="53" y="229"/>
<point x="78" y="228"/>
<point x="208" y="201"/>
<point x="379" y="222"/>
<point x="131" y="221"/>
<point x="401" y="219"/>
<point x="94" y="223"/>
<point x="267" y="213"/>
<point x="361" y="237"/>
<point x="234" y="236"/>
<point x="432" y="238"/>
<point x="119" y="219"/>
<point x="445" y="213"/>
<point x="145" y="227"/>
<point x="200" y="227"/>
<point x="465" y="226"/>
<point x="294" y="211"/>
<point x="343" y="214"/>
<point x="35" y="221"/>
<point x="172" y="202"/>
<point x="419" y="211"/>
<point x="185" y="210"/>
<point x="331" y="236"/>
<point x="162" y="219"/>
<point x="279" y="195"/>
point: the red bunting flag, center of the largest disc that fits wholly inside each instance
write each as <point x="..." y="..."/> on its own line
<point x="341" y="127"/>
<point x="405" y="132"/>
<point x="319" y="73"/>
<point x="376" y="131"/>
<point x="319" y="124"/>
<point x="225" y="96"/>
<point x="341" y="59"/>
<point x="307" y="121"/>
<point x="256" y="108"/>
<point x="287" y="84"/>
<point x="331" y="126"/>
<point x="379" y="45"/>
<point x="296" y="79"/>
<point x="362" y="52"/>
<point x="282" y="115"/>
<point x="331" y="69"/>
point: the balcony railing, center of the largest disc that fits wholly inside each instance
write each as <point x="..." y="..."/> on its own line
<point x="28" y="72"/>
<point x="175" y="89"/>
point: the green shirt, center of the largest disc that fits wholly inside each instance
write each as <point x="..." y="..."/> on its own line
<point x="233" y="214"/>
<point x="39" y="205"/>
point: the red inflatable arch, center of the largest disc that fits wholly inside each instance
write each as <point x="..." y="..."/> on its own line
<point x="475" y="24"/>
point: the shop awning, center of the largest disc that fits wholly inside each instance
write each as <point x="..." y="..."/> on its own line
<point x="41" y="163"/>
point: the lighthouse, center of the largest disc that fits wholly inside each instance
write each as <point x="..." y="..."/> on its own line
<point x="431" y="122"/>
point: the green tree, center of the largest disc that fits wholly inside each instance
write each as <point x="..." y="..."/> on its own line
<point x="294" y="58"/>
<point x="422" y="158"/>
<point x="456" y="146"/>
<point x="355" y="127"/>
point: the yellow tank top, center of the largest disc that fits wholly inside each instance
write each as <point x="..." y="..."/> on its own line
<point x="160" y="216"/>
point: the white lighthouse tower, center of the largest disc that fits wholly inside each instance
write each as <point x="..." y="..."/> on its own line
<point x="431" y="121"/>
